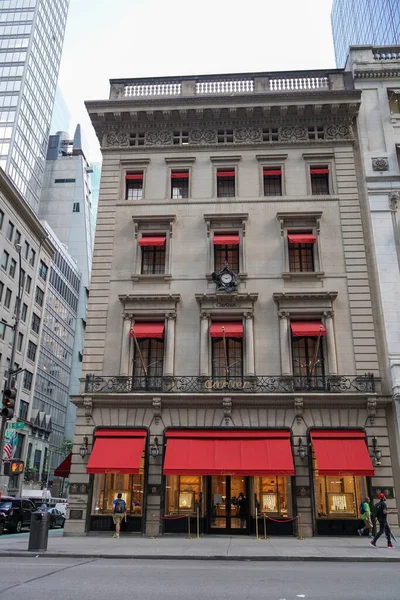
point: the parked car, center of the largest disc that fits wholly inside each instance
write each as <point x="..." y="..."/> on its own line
<point x="2" y="523"/>
<point x="56" y="518"/>
<point x="17" y="512"/>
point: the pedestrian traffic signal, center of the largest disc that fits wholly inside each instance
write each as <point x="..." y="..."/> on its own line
<point x="14" y="467"/>
<point x="9" y="403"/>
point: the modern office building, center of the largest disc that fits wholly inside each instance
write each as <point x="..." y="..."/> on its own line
<point x="360" y="22"/>
<point x="234" y="336"/>
<point x="31" y="41"/>
<point x="26" y="253"/>
<point x="61" y="118"/>
<point x="376" y="72"/>
<point x="95" y="181"/>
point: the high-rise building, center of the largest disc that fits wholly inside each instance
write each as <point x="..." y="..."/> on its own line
<point x="233" y="335"/>
<point x="360" y="22"/>
<point x="95" y="179"/>
<point x="61" y="118"/>
<point x="31" y="41"/>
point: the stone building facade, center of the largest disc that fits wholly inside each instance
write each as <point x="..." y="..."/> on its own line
<point x="232" y="342"/>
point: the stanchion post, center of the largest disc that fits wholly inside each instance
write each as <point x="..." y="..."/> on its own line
<point x="300" y="527"/>
<point x="257" y="538"/>
<point x="265" y="528"/>
<point x="188" y="535"/>
<point x="198" y="523"/>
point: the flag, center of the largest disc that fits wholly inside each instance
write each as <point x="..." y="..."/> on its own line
<point x="9" y="448"/>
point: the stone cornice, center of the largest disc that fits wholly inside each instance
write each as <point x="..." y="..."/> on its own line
<point x="385" y="71"/>
<point x="149" y="298"/>
<point x="316" y="296"/>
<point x="232" y="297"/>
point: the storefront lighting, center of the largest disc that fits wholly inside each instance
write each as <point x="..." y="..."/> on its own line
<point x="377" y="451"/>
<point x="83" y="450"/>
<point x="154" y="448"/>
<point x="302" y="451"/>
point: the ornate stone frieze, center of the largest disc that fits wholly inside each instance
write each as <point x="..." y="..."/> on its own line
<point x="162" y="137"/>
<point x="88" y="406"/>
<point x="338" y="131"/>
<point x="298" y="409"/>
<point x="247" y="135"/>
<point x="203" y="136"/>
<point x="293" y="133"/>
<point x="371" y="410"/>
<point x="157" y="410"/>
<point x="117" y="139"/>
<point x="394" y="199"/>
<point x="380" y="164"/>
<point x="227" y="408"/>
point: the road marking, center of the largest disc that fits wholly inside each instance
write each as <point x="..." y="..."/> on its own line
<point x="301" y="595"/>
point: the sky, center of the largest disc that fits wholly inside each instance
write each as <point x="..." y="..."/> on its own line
<point x="108" y="39"/>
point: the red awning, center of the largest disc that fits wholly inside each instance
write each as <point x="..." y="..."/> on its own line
<point x="323" y="171"/>
<point x="236" y="452"/>
<point x="134" y="176"/>
<point x="63" y="469"/>
<point x="301" y="238"/>
<point x="225" y="173"/>
<point x="148" y="330"/>
<point x="270" y="172"/>
<point x="184" y="175"/>
<point x="341" y="452"/>
<point x="307" y="328"/>
<point x="117" y="451"/>
<point x="222" y="240"/>
<point x="152" y="241"/>
<point x="232" y="329"/>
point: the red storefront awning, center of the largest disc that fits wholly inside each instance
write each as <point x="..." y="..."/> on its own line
<point x="232" y="329"/>
<point x="63" y="469"/>
<point x="307" y="328"/>
<point x="301" y="238"/>
<point x="152" y="241"/>
<point x="214" y="452"/>
<point x="222" y="240"/>
<point x="341" y="452"/>
<point x="181" y="175"/>
<point x="271" y="172"/>
<point x="131" y="176"/>
<point x="117" y="451"/>
<point x="147" y="330"/>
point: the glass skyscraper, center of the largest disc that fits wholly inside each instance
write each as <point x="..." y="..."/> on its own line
<point x="31" y="41"/>
<point x="360" y="22"/>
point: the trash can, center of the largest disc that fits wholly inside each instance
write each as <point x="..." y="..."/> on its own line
<point x="39" y="531"/>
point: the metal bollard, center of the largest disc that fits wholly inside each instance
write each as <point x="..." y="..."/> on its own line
<point x="265" y="528"/>
<point x="257" y="538"/>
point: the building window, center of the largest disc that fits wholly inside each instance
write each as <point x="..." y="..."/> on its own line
<point x="10" y="231"/>
<point x="227" y="358"/>
<point x="226" y="187"/>
<point x="106" y="487"/>
<point x="17" y="239"/>
<point x="27" y="381"/>
<point x="7" y="298"/>
<point x="226" y="250"/>
<point x="32" y="257"/>
<point x="13" y="265"/>
<point x="20" y="341"/>
<point x="151" y="358"/>
<point x="274" y="495"/>
<point x="4" y="260"/>
<point x="153" y="255"/>
<point x="319" y="181"/>
<point x="24" y="312"/>
<point x="26" y="250"/>
<point x="394" y="101"/>
<point x="1" y="219"/>
<point x="179" y="184"/>
<point x="64" y="181"/>
<point x="43" y="270"/>
<point x="183" y="493"/>
<point x="35" y="326"/>
<point x="272" y="181"/>
<point x="338" y="496"/>
<point x="76" y="207"/>
<point x="1" y="290"/>
<point x="134" y="186"/>
<point x="2" y="331"/>
<point x="225" y="136"/>
<point x="31" y="352"/>
<point x="28" y="284"/>
<point x="39" y="296"/>
<point x="307" y="353"/>
<point x="136" y="139"/>
<point x="301" y="252"/>
<point x="180" y="137"/>
<point x="23" y="412"/>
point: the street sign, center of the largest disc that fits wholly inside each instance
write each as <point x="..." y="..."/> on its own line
<point x="17" y="425"/>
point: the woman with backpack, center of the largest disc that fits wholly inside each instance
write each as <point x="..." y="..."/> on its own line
<point x="365" y="511"/>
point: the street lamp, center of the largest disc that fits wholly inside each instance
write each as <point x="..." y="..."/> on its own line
<point x="11" y="375"/>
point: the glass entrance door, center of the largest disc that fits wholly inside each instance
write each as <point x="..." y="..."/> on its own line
<point x="228" y="514"/>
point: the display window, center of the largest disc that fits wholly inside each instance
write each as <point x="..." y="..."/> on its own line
<point x="108" y="486"/>
<point x="183" y="494"/>
<point x="273" y="494"/>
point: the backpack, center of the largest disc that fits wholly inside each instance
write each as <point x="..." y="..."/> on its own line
<point x="120" y="506"/>
<point x="362" y="508"/>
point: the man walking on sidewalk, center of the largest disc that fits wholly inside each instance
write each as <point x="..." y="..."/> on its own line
<point x="365" y="511"/>
<point x="381" y="513"/>
<point x="119" y="512"/>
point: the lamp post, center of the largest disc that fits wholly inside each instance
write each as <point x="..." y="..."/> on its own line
<point x="10" y="375"/>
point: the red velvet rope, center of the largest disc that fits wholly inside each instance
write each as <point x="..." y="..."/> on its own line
<point x="171" y="518"/>
<point x="281" y="521"/>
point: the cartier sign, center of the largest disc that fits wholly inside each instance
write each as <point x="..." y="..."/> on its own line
<point x="230" y="384"/>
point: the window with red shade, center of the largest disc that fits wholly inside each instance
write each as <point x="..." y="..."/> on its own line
<point x="319" y="180"/>
<point x="134" y="185"/>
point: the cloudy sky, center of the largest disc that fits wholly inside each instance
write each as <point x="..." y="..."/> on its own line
<point x="107" y="39"/>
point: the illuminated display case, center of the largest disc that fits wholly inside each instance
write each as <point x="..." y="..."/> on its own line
<point x="106" y="488"/>
<point x="183" y="493"/>
<point x="274" y="495"/>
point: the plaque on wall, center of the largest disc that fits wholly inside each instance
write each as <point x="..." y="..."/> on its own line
<point x="75" y="514"/>
<point x="303" y="491"/>
<point x="155" y="489"/>
<point x="388" y="491"/>
<point x="78" y="488"/>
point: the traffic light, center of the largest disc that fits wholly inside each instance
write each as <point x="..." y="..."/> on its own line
<point x="9" y="403"/>
<point x="14" y="467"/>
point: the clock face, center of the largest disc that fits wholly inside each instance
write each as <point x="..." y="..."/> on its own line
<point x="226" y="277"/>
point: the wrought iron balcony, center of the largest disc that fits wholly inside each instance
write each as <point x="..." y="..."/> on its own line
<point x="265" y="384"/>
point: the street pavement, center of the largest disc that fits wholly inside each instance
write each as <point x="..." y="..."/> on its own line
<point x="104" y="579"/>
<point x="228" y="548"/>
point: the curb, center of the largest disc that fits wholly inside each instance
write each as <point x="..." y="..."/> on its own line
<point x="213" y="557"/>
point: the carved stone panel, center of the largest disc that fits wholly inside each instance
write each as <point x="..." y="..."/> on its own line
<point x="293" y="133"/>
<point x="339" y="131"/>
<point x="380" y="164"/>
<point x="203" y="136"/>
<point x="117" y="139"/>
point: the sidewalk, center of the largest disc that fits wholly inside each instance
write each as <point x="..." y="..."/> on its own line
<point x="337" y="549"/>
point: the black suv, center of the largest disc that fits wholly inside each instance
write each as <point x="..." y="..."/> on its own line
<point x="17" y="512"/>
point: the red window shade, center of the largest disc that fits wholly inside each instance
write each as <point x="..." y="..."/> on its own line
<point x="269" y="172"/>
<point x="152" y="241"/>
<point x="130" y="176"/>
<point x="307" y="328"/>
<point x="222" y="240"/>
<point x="147" y="330"/>
<point x="341" y="452"/>
<point x="225" y="173"/>
<point x="240" y="452"/>
<point x="321" y="171"/>
<point x="232" y="329"/>
<point x="117" y="451"/>
<point x="182" y="175"/>
<point x="301" y="238"/>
